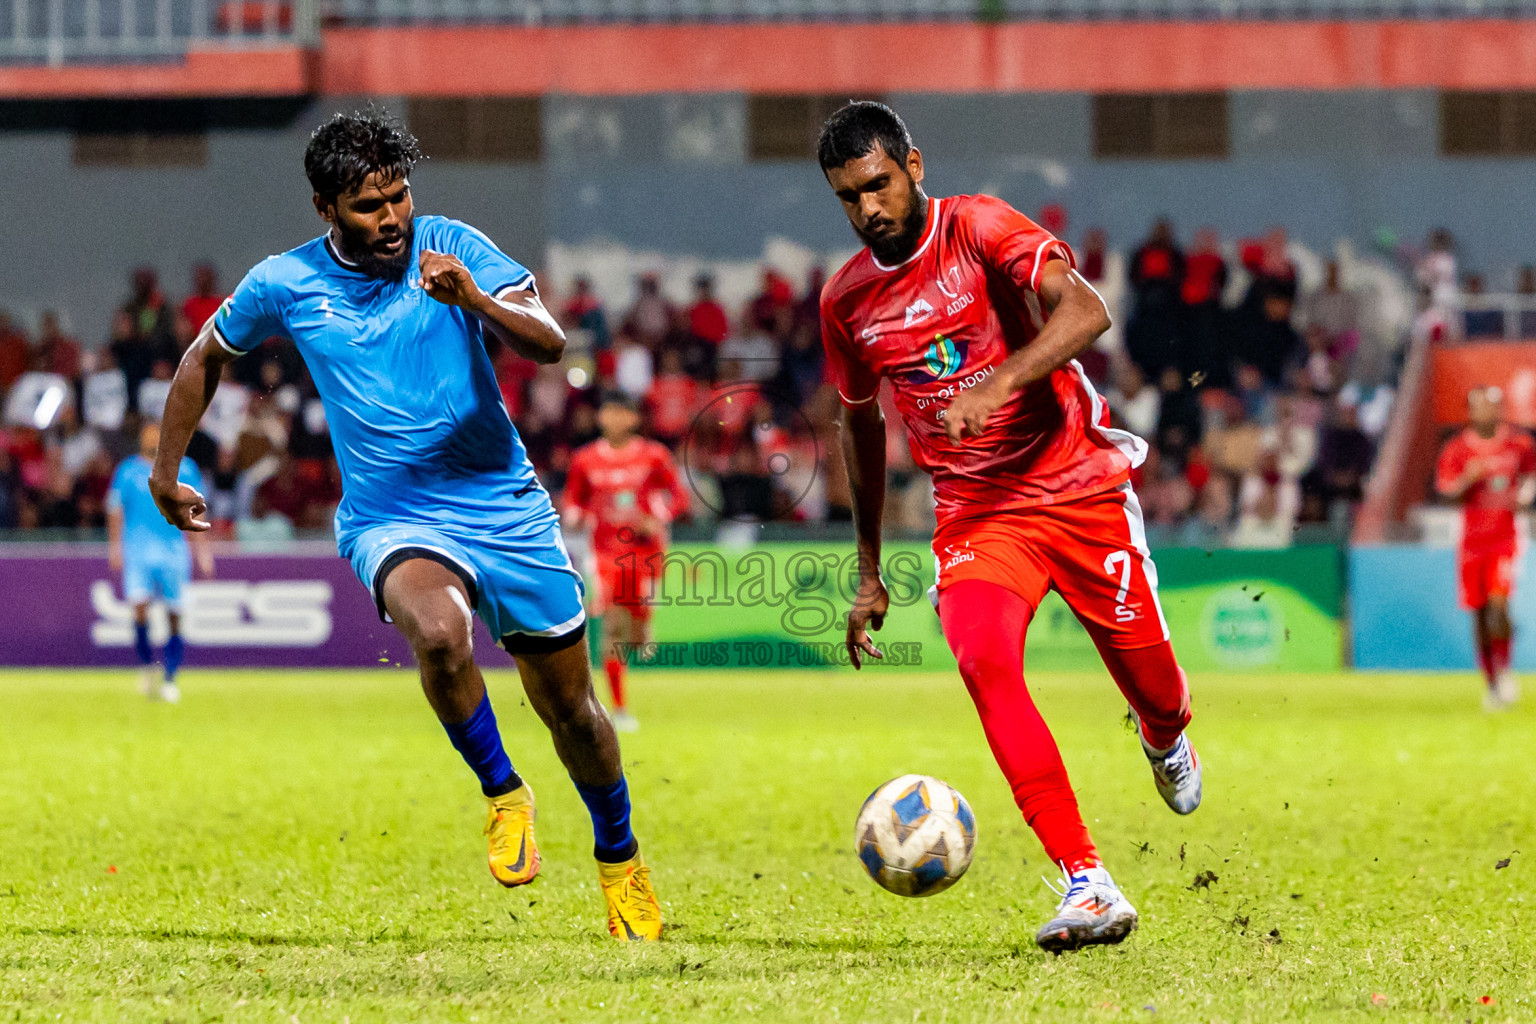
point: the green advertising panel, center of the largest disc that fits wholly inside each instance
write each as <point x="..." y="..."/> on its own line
<point x="782" y="605"/>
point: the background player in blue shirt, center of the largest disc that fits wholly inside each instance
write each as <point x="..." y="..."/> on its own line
<point x="441" y="512"/>
<point x="154" y="559"/>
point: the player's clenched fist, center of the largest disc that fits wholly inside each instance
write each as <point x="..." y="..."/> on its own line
<point x="181" y="504"/>
<point x="447" y="279"/>
<point x="967" y="415"/>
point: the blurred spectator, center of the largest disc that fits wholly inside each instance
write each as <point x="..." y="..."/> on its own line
<point x="800" y="369"/>
<point x="1205" y="277"/>
<point x="1344" y="455"/>
<point x="752" y="354"/>
<point x="633" y="367"/>
<point x="200" y="306"/>
<point x="15" y="353"/>
<point x="1293" y="441"/>
<point x="674" y="400"/>
<point x="1236" y="444"/>
<point x="1436" y="269"/>
<point x="772" y="310"/>
<point x="650" y="318"/>
<point x="584" y="311"/>
<point x="103" y="392"/>
<point x="1268" y="261"/>
<point x="1157" y="277"/>
<point x="56" y="352"/>
<point x="1137" y="403"/>
<point x="1335" y="311"/>
<point x="1180" y="426"/>
<point x="706" y="317"/>
<point x="143" y="332"/>
<point x="1091" y="257"/>
<point x="746" y="490"/>
<point x="1525" y="280"/>
<point x="1432" y="323"/>
<point x="1269" y="342"/>
<point x="1267" y="506"/>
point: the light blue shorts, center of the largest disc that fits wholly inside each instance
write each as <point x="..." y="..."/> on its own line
<point x="163" y="575"/>
<point x="523" y="587"/>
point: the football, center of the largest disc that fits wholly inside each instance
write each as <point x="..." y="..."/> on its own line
<point x="915" y="835"/>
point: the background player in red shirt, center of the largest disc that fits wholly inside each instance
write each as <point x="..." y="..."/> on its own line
<point x="1489" y="468"/>
<point x="975" y="315"/>
<point x="625" y="489"/>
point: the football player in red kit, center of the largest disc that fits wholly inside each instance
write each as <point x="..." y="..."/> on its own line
<point x="625" y="488"/>
<point x="1489" y="468"/>
<point x="975" y="315"/>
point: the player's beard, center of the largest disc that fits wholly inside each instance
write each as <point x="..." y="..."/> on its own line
<point x="894" y="248"/>
<point x="356" y="248"/>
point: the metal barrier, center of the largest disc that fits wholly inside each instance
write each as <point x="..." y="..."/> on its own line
<point x="55" y="32"/>
<point x="1509" y="316"/>
<point x="59" y="31"/>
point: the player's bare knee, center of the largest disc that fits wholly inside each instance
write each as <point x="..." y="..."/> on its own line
<point x="442" y="643"/>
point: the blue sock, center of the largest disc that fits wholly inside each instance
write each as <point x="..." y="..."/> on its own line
<point x="141" y="643"/>
<point x="609" y="807"/>
<point x="175" y="650"/>
<point x="479" y="742"/>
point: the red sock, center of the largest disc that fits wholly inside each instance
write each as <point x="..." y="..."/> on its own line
<point x="615" y="669"/>
<point x="1487" y="657"/>
<point x="1155" y="686"/>
<point x="1498" y="647"/>
<point x="984" y="625"/>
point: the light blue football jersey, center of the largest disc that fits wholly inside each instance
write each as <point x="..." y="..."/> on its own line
<point x="146" y="534"/>
<point x="418" y="423"/>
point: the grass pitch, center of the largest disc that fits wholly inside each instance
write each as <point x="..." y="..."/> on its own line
<point x="305" y="847"/>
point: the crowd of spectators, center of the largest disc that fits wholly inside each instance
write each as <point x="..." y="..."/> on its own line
<point x="1237" y="377"/>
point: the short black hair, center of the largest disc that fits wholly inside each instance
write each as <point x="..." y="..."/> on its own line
<point x="854" y="130"/>
<point x="624" y="399"/>
<point x="349" y="147"/>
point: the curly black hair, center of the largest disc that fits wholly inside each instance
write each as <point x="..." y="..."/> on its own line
<point x="853" y="130"/>
<point x="349" y="147"/>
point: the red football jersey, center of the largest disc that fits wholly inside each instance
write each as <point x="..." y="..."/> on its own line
<point x="1488" y="506"/>
<point x="940" y="323"/>
<point x="610" y="488"/>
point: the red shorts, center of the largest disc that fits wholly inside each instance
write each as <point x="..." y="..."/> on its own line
<point x="1484" y="575"/>
<point x="1091" y="551"/>
<point x="626" y="578"/>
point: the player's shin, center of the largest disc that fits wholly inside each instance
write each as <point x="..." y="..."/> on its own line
<point x="613" y="839"/>
<point x="175" y="651"/>
<point x="478" y="741"/>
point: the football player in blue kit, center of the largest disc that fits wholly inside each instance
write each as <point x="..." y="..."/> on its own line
<point x="154" y="558"/>
<point x="441" y="515"/>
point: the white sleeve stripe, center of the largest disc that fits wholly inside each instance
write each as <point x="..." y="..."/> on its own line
<point x="854" y="401"/>
<point x="219" y="336"/>
<point x="1034" y="275"/>
<point x="520" y="285"/>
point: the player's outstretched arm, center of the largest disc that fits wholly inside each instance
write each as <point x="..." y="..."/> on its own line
<point x="517" y="318"/>
<point x="197" y="378"/>
<point x="863" y="438"/>
<point x="1077" y="317"/>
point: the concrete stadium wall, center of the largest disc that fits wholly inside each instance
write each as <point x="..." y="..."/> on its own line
<point x="670" y="174"/>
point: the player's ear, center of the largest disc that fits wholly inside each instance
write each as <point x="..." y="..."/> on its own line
<point x="915" y="165"/>
<point x="326" y="208"/>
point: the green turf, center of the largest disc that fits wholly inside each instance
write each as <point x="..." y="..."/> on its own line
<point x="306" y="847"/>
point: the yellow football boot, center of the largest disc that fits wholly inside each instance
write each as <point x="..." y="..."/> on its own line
<point x="514" y="855"/>
<point x="633" y="913"/>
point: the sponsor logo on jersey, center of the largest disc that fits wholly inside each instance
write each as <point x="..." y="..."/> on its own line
<point x="918" y="312"/>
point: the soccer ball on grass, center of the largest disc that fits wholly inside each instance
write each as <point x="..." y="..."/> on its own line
<point x="915" y="835"/>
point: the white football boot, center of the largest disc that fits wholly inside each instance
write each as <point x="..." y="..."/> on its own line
<point x="170" y="692"/>
<point x="1093" y="911"/>
<point x="1509" y="688"/>
<point x="1176" y="771"/>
